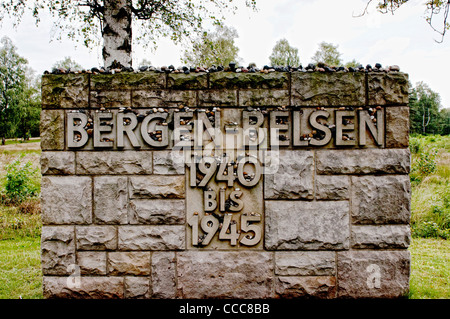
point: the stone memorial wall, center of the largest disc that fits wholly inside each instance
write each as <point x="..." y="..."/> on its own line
<point x="225" y="185"/>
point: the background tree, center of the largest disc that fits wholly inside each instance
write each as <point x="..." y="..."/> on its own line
<point x="113" y="19"/>
<point x="353" y="63"/>
<point x="327" y="53"/>
<point x="67" y="63"/>
<point x="215" y="48"/>
<point x="283" y="54"/>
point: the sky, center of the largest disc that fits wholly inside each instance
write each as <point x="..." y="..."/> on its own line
<point x="404" y="39"/>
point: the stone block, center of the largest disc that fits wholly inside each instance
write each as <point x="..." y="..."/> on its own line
<point x="181" y="81"/>
<point x="366" y="161"/>
<point x="160" y="237"/>
<point x="294" y="177"/>
<point x="57" y="163"/>
<point x="110" y="200"/>
<point x="328" y="89"/>
<point x="129" y="263"/>
<point x="222" y="274"/>
<point x="137" y="287"/>
<point x="222" y="98"/>
<point x="96" y="237"/>
<point x="114" y="163"/>
<point x="397" y="126"/>
<point x="373" y="274"/>
<point x="388" y="88"/>
<point x="168" y="163"/>
<point x="381" y="199"/>
<point x="323" y="287"/>
<point x="57" y="249"/>
<point x="332" y="187"/>
<point x="157" y="211"/>
<point x="52" y="130"/>
<point x="66" y="200"/>
<point x="128" y="81"/>
<point x="305" y="263"/>
<point x="164" y="275"/>
<point x="88" y="288"/>
<point x="163" y="98"/>
<point x="92" y="262"/>
<point x="157" y="187"/>
<point x="231" y="80"/>
<point x="65" y="91"/>
<point x="110" y="99"/>
<point x="298" y="225"/>
<point x="264" y="97"/>
<point x="381" y="237"/>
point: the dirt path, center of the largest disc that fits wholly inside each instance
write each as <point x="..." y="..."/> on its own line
<point x="21" y="146"/>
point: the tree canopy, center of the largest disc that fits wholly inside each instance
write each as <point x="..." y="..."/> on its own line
<point x="283" y="54"/>
<point x="327" y="53"/>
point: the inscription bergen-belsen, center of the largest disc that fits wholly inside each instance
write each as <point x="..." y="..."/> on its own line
<point x="226" y="153"/>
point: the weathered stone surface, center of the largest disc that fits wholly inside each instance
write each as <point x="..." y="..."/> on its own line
<point x="57" y="249"/>
<point x="373" y="274"/>
<point x="381" y="199"/>
<point x="168" y="163"/>
<point x="294" y="177"/>
<point x="366" y="161"/>
<point x="171" y="237"/>
<point x="52" y="130"/>
<point x="65" y="91"/>
<point x="217" y="98"/>
<point x="163" y="98"/>
<point x="264" y="97"/>
<point x="305" y="263"/>
<point x="157" y="211"/>
<point x="110" y="200"/>
<point x="381" y="237"/>
<point x="137" y="287"/>
<point x="96" y="237"/>
<point x="230" y="80"/>
<point x="323" y="287"/>
<point x="92" y="262"/>
<point x="57" y="163"/>
<point x="127" y="81"/>
<point x="157" y="186"/>
<point x="112" y="163"/>
<point x="109" y="99"/>
<point x="66" y="200"/>
<point x="328" y="89"/>
<point x="295" y="225"/>
<point x="88" y="288"/>
<point x="221" y="274"/>
<point x="163" y="275"/>
<point x="187" y="82"/>
<point x="388" y="88"/>
<point x="129" y="263"/>
<point x="397" y="126"/>
<point x="329" y="187"/>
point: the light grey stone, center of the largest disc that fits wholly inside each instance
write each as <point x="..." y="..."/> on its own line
<point x="65" y="90"/>
<point x="397" y="126"/>
<point x="171" y="237"/>
<point x="388" y="88"/>
<point x="332" y="187"/>
<point x="305" y="263"/>
<point x="222" y="98"/>
<point x="168" y="163"/>
<point x="157" y="187"/>
<point x="110" y="99"/>
<point x="365" y="161"/>
<point x="222" y="274"/>
<point x="323" y="287"/>
<point x="88" y="288"/>
<point x="110" y="200"/>
<point x="92" y="262"/>
<point x="66" y="200"/>
<point x="157" y="211"/>
<point x="381" y="199"/>
<point x="381" y="237"/>
<point x="96" y="237"/>
<point x="129" y="263"/>
<point x="298" y="225"/>
<point x="294" y="177"/>
<point x="57" y="163"/>
<point x="112" y="163"/>
<point x="163" y="275"/>
<point x="263" y="97"/>
<point x="57" y="249"/>
<point x="373" y="274"/>
<point x="52" y="130"/>
<point x="137" y="287"/>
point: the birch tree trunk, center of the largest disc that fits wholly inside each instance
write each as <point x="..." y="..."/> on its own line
<point x="116" y="32"/>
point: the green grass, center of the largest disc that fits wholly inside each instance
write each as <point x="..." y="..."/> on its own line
<point x="430" y="269"/>
<point x="20" y="141"/>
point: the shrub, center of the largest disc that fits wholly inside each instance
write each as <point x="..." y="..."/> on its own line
<point x="20" y="181"/>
